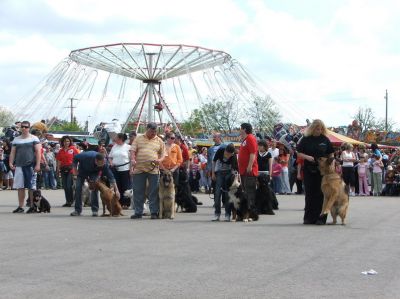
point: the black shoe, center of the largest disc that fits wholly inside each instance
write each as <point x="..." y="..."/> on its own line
<point x="308" y="222"/>
<point x="136" y="216"/>
<point x="270" y="213"/>
<point x="18" y="210"/>
<point x="154" y="216"/>
<point x="31" y="210"/>
<point x="66" y="205"/>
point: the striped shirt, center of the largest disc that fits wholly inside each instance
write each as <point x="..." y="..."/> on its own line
<point x="25" y="150"/>
<point x="146" y="151"/>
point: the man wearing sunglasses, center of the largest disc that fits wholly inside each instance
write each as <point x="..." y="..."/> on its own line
<point x="25" y="161"/>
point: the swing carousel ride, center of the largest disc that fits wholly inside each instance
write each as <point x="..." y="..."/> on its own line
<point x="159" y="80"/>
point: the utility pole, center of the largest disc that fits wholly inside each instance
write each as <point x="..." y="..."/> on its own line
<point x="386" y="117"/>
<point x="72" y="108"/>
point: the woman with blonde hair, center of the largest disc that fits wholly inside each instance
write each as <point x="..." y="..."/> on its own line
<point x="313" y="145"/>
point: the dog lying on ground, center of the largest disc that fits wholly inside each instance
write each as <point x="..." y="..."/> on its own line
<point x="108" y="198"/>
<point x="264" y="196"/>
<point x="183" y="197"/>
<point x="239" y="203"/>
<point x="336" y="193"/>
<point x="166" y="193"/>
<point x="40" y="204"/>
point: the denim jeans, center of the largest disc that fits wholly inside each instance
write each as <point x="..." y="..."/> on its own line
<point x="139" y="190"/>
<point x="221" y="192"/>
<point x="94" y="196"/>
<point x="49" y="180"/>
<point x="67" y="182"/>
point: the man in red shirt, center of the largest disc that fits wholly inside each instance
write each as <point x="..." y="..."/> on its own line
<point x="248" y="167"/>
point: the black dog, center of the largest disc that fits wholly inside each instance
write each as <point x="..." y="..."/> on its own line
<point x="183" y="196"/>
<point x="264" y="196"/>
<point x="243" y="212"/>
<point x="40" y="204"/>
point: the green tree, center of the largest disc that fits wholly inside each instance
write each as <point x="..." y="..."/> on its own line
<point x="66" y="126"/>
<point x="367" y="120"/>
<point x="263" y="114"/>
<point x="6" y="117"/>
<point x="194" y="124"/>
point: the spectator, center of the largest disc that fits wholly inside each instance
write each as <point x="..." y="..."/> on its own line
<point x="362" y="168"/>
<point x="65" y="158"/>
<point x="147" y="153"/>
<point x="119" y="162"/>
<point x="132" y="136"/>
<point x="185" y="152"/>
<point x="90" y="165"/>
<point x="25" y="161"/>
<point x="377" y="167"/>
<point x="8" y="177"/>
<point x="284" y="160"/>
<point x="210" y="156"/>
<point x="348" y="158"/>
<point x="277" y="175"/>
<point x="204" y="177"/>
<point x="48" y="172"/>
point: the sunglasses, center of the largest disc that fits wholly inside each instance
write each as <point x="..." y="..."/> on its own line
<point x="25" y="127"/>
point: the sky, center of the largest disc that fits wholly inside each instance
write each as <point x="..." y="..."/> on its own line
<point x="319" y="58"/>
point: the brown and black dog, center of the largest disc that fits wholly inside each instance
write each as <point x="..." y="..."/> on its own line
<point x="336" y="193"/>
<point x="108" y="199"/>
<point x="166" y="193"/>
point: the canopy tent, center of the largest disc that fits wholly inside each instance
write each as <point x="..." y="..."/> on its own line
<point x="337" y="139"/>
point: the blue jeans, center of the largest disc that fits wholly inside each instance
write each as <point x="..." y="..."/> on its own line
<point x="49" y="180"/>
<point x="139" y="190"/>
<point x="277" y="184"/>
<point x="221" y="192"/>
<point x="94" y="196"/>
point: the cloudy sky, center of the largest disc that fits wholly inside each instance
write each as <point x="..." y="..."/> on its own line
<point x="322" y="58"/>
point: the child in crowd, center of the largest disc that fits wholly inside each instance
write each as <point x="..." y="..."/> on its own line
<point x="362" y="176"/>
<point x="389" y="189"/>
<point x="276" y="175"/>
<point x="194" y="174"/>
<point x="377" y="167"/>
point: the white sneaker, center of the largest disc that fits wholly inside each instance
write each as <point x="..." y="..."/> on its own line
<point x="216" y="218"/>
<point x="227" y="218"/>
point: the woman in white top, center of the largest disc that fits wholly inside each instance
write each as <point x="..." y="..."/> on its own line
<point x="348" y="157"/>
<point x="120" y="164"/>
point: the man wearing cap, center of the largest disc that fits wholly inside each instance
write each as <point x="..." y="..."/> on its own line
<point x="147" y="153"/>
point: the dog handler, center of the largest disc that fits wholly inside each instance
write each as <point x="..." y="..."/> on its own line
<point x="90" y="165"/>
<point x="313" y="145"/>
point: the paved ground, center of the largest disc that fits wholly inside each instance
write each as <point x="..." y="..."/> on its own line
<point x="58" y="256"/>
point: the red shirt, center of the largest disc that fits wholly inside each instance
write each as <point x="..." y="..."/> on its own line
<point x="248" y="146"/>
<point x="66" y="156"/>
<point x="185" y="152"/>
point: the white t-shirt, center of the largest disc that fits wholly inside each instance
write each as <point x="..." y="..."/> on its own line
<point x="120" y="155"/>
<point x="346" y="155"/>
<point x="274" y="152"/>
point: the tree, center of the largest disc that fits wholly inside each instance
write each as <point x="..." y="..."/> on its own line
<point x="195" y="124"/>
<point x="263" y="113"/>
<point x="367" y="120"/>
<point x="66" y="126"/>
<point x="6" y="117"/>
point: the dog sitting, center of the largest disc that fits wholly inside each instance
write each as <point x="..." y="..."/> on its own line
<point x="239" y="203"/>
<point x="336" y="193"/>
<point x="264" y="196"/>
<point x="40" y="204"/>
<point x="166" y="193"/>
<point x="183" y="196"/>
<point x="109" y="199"/>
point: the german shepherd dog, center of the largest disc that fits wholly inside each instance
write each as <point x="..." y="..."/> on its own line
<point x="40" y="204"/>
<point x="239" y="203"/>
<point x="336" y="193"/>
<point x="166" y="193"/>
<point x="108" y="198"/>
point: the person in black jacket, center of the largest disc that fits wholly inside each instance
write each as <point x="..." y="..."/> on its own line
<point x="313" y="145"/>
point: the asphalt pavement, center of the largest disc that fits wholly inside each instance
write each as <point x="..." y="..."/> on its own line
<point x="58" y="256"/>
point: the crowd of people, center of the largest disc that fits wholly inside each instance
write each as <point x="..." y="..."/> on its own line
<point x="29" y="162"/>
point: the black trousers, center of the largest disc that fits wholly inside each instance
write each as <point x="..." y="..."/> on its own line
<point x="123" y="180"/>
<point x="314" y="196"/>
